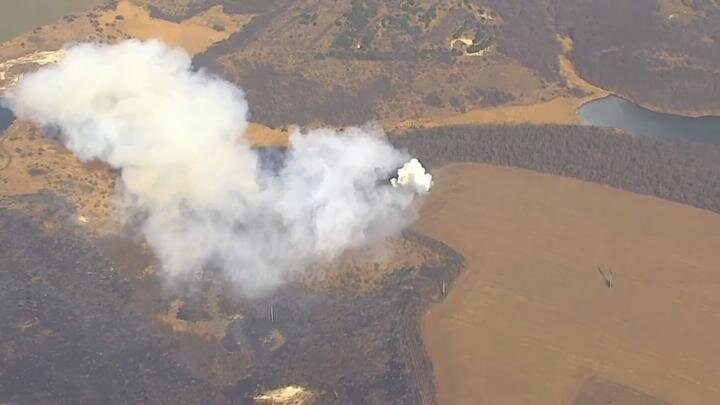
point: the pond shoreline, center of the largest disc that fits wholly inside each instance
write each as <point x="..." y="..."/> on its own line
<point x="6" y="118"/>
<point x="614" y="111"/>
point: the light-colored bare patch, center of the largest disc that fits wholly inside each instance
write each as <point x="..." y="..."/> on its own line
<point x="462" y="40"/>
<point x="290" y="395"/>
<point x="463" y="43"/>
<point x="678" y="11"/>
<point x="194" y="35"/>
<point x="276" y="339"/>
<point x="261" y="135"/>
<point x="11" y="70"/>
<point x="531" y="318"/>
<point x="556" y="111"/>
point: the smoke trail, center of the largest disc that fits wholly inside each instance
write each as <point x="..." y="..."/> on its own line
<point x="177" y="137"/>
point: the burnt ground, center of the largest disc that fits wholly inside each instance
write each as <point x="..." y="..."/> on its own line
<point x="68" y="335"/>
<point x="363" y="350"/>
<point x="82" y="316"/>
<point x="80" y="325"/>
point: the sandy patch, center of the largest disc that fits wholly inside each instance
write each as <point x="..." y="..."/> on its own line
<point x="559" y="110"/>
<point x="261" y="135"/>
<point x="531" y="320"/>
<point x="290" y="395"/>
<point x="11" y="70"/>
<point x="194" y="35"/>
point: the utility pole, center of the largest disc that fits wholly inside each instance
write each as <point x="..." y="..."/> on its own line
<point x="272" y="313"/>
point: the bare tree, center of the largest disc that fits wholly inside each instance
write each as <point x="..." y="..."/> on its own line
<point x="607" y="276"/>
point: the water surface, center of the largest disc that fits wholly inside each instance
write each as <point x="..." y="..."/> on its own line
<point x="20" y="16"/>
<point x="616" y="112"/>
<point x="6" y="118"/>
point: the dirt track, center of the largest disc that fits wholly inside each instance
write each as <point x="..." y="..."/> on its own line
<point x="532" y="320"/>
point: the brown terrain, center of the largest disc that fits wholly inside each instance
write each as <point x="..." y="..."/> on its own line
<point x="558" y="110"/>
<point x="348" y="62"/>
<point x="319" y="61"/>
<point x="532" y="319"/>
<point x="307" y="62"/>
<point x="659" y="54"/>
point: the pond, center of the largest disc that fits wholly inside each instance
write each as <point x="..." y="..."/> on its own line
<point x="20" y="16"/>
<point x="6" y="118"/>
<point x="616" y="112"/>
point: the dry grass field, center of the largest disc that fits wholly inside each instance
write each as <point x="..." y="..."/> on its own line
<point x="195" y="34"/>
<point x="532" y="320"/>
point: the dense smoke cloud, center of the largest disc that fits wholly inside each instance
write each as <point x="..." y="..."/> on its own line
<point x="176" y="135"/>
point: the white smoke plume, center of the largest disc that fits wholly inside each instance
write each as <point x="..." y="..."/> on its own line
<point x="413" y="174"/>
<point x="177" y="136"/>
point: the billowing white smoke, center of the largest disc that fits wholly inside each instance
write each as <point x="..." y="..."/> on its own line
<point x="413" y="174"/>
<point x="177" y="136"/>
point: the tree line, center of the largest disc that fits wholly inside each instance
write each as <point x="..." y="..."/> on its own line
<point x="675" y="170"/>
